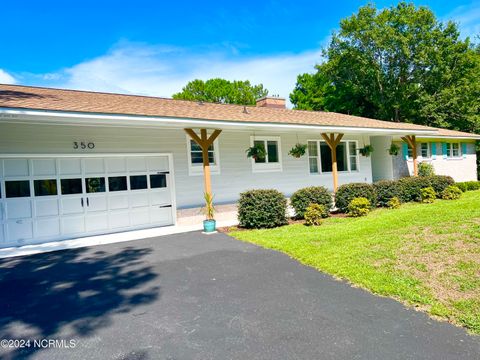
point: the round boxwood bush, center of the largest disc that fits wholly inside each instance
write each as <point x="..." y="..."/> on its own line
<point x="394" y="203"/>
<point x="359" y="206"/>
<point x="425" y="169"/>
<point x="262" y="209"/>
<point x="410" y="188"/>
<point x="440" y="183"/>
<point x="386" y="190"/>
<point x="428" y="195"/>
<point x="348" y="192"/>
<point x="451" y="193"/>
<point x="314" y="214"/>
<point x="303" y="198"/>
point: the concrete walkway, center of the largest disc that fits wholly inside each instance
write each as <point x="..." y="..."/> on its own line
<point x="192" y="296"/>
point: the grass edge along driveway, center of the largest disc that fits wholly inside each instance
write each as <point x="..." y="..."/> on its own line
<point x="425" y="255"/>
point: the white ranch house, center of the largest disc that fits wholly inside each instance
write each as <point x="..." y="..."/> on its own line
<point x="75" y="163"/>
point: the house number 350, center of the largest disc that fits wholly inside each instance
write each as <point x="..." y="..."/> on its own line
<point x="83" y="145"/>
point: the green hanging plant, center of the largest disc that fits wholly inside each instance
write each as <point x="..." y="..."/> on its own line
<point x="256" y="152"/>
<point x="394" y="149"/>
<point x="366" y="150"/>
<point x="298" y="150"/>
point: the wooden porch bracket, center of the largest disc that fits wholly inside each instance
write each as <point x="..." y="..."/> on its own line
<point x="412" y="143"/>
<point x="332" y="142"/>
<point x="204" y="142"/>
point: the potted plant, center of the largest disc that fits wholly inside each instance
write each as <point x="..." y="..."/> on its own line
<point x="298" y="150"/>
<point x="394" y="149"/>
<point x="366" y="150"/>
<point x="256" y="152"/>
<point x="209" y="224"/>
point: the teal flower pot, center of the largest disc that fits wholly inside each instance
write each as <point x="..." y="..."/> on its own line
<point x="209" y="226"/>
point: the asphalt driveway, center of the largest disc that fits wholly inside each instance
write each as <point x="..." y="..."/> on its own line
<point x="191" y="296"/>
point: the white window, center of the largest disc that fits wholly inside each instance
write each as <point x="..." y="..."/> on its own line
<point x="320" y="157"/>
<point x="195" y="159"/>
<point x="273" y="154"/>
<point x="409" y="152"/>
<point x="453" y="150"/>
<point x="425" y="150"/>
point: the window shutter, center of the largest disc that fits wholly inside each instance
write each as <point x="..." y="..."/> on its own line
<point x="464" y="150"/>
<point x="434" y="151"/>
<point x="405" y="150"/>
<point x="444" y="150"/>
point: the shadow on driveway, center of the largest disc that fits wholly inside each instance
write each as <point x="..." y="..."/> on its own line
<point x="75" y="290"/>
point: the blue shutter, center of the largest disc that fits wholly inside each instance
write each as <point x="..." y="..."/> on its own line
<point x="405" y="150"/>
<point x="434" y="151"/>
<point x="464" y="150"/>
<point x="444" y="150"/>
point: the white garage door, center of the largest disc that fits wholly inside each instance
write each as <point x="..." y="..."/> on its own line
<point x="45" y="199"/>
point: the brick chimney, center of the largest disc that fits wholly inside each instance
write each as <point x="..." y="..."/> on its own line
<point x="271" y="102"/>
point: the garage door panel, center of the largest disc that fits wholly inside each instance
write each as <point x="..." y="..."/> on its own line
<point x="2" y="234"/>
<point x="162" y="215"/>
<point x="137" y="164"/>
<point x="97" y="203"/>
<point x="160" y="197"/>
<point x="140" y="216"/>
<point x="70" y="167"/>
<point x="42" y="167"/>
<point x="159" y="164"/>
<point x="118" y="219"/>
<point x="19" y="230"/>
<point x="46" y="207"/>
<point x="47" y="227"/>
<point x="16" y="167"/>
<point x="116" y="165"/>
<point x="139" y="199"/>
<point x="18" y="208"/>
<point x="96" y="222"/>
<point x="94" y="166"/>
<point x="72" y="205"/>
<point x="116" y="202"/>
<point x="73" y="225"/>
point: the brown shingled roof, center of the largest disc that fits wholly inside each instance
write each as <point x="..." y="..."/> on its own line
<point x="38" y="98"/>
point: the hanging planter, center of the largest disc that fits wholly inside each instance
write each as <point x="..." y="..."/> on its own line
<point x="366" y="150"/>
<point x="256" y="152"/>
<point x="394" y="149"/>
<point x="298" y="150"/>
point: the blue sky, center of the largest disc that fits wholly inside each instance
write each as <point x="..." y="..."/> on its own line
<point x="155" y="47"/>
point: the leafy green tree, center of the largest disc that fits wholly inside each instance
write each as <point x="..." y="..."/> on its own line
<point x="398" y="64"/>
<point x="222" y="91"/>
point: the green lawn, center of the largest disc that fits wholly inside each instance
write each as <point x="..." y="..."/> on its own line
<point x="426" y="255"/>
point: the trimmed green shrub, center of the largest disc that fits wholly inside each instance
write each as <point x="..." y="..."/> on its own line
<point x="262" y="209"/>
<point x="440" y="183"/>
<point x="425" y="169"/>
<point x="302" y="198"/>
<point x="428" y="195"/>
<point x="359" y="206"/>
<point x="346" y="193"/>
<point x="468" y="185"/>
<point x="314" y="214"/>
<point x="386" y="190"/>
<point x="394" y="203"/>
<point x="451" y="193"/>
<point x="410" y="188"/>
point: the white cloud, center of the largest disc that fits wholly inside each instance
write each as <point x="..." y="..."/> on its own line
<point x="163" y="70"/>
<point x="6" y="78"/>
<point x="468" y="19"/>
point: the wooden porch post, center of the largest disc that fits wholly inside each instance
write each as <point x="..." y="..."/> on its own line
<point x="332" y="143"/>
<point x="204" y="142"/>
<point x="412" y="142"/>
